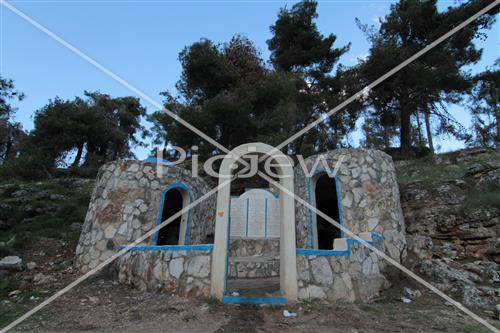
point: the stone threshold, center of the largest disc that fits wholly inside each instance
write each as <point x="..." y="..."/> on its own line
<point x="261" y="259"/>
<point x="253" y="300"/>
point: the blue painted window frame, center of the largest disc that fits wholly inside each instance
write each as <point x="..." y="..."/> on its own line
<point x="157" y="160"/>
<point x="336" y="253"/>
<point x="309" y="197"/>
<point x="173" y="186"/>
<point x="169" y="248"/>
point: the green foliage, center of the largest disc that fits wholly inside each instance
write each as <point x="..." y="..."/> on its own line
<point x="297" y="43"/>
<point x="9" y="188"/>
<point x="487" y="196"/>
<point x="227" y="91"/>
<point x="8" y="284"/>
<point x="485" y="108"/>
<point x="7" y="251"/>
<point x="377" y="132"/>
<point x="427" y="171"/>
<point x="470" y="328"/>
<point x="46" y="210"/>
<point x="298" y="47"/>
<point x="311" y="304"/>
<point x="7" y="93"/>
<point x="213" y="303"/>
<point x="205" y="72"/>
<point x="96" y="129"/>
<point x="10" y="313"/>
<point x="10" y="131"/>
<point x="423" y="85"/>
<point x="230" y="93"/>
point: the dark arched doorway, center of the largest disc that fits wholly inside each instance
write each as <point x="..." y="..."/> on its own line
<point x="325" y="194"/>
<point x="173" y="201"/>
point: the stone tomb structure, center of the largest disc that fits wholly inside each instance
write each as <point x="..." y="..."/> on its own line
<point x="364" y="198"/>
<point x="191" y="255"/>
<point x="129" y="199"/>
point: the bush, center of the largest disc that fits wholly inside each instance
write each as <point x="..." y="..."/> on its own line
<point x="487" y="195"/>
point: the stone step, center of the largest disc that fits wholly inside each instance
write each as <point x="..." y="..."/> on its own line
<point x="261" y="259"/>
<point x="253" y="267"/>
<point x="341" y="244"/>
<point x="267" y="286"/>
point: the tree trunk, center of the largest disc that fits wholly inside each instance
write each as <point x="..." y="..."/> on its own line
<point x="90" y="156"/>
<point x="497" y="118"/>
<point x="335" y="138"/>
<point x="386" y="137"/>
<point x="405" y="132"/>
<point x="78" y="156"/>
<point x="420" y="138"/>
<point x="428" y="130"/>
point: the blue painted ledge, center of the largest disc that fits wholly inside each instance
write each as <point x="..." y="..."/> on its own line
<point x="377" y="237"/>
<point x="314" y="252"/>
<point x="157" y="160"/>
<point x="253" y="300"/>
<point x="172" y="248"/>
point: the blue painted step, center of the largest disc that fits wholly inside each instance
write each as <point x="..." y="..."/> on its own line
<point x="253" y="300"/>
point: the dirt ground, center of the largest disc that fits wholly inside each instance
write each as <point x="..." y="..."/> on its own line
<point x="102" y="305"/>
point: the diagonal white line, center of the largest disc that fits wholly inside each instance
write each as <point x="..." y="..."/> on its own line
<point x="147" y="98"/>
<point x="381" y="254"/>
<point x="216" y="144"/>
<point x="386" y="76"/>
<point x="119" y="79"/>
<point x="110" y="259"/>
<point x="113" y="75"/>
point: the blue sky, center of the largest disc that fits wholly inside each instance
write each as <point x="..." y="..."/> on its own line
<point x="141" y="40"/>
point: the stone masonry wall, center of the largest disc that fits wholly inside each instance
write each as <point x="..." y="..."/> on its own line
<point x="357" y="277"/>
<point x="125" y="204"/>
<point x="185" y="273"/>
<point x="254" y="258"/>
<point x="369" y="197"/>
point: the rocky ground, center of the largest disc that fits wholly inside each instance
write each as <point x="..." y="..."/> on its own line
<point x="451" y="204"/>
<point x="102" y="305"/>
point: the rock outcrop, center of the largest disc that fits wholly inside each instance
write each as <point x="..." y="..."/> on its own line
<point x="451" y="206"/>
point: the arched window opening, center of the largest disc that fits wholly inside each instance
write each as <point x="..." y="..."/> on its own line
<point x="326" y="201"/>
<point x="172" y="203"/>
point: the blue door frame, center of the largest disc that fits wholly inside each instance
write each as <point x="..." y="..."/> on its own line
<point x="176" y="185"/>
<point x="309" y="200"/>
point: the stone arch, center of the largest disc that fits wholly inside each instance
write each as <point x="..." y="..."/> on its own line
<point x="288" y="262"/>
<point x="184" y="221"/>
